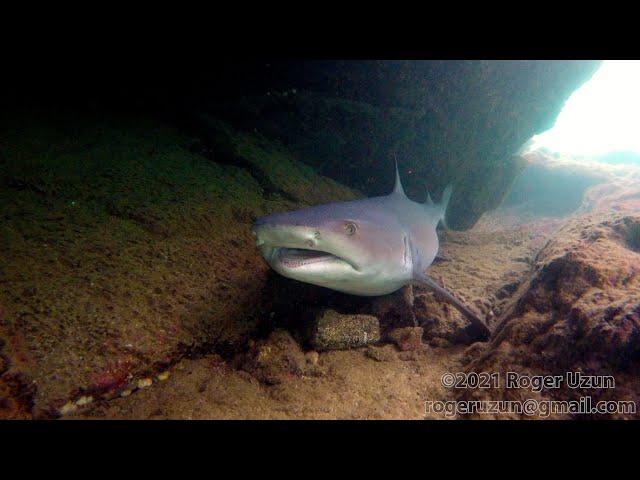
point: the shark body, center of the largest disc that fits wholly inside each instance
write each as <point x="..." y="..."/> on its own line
<point x="365" y="247"/>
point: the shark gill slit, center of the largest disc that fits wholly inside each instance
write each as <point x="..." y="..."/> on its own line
<point x="406" y="249"/>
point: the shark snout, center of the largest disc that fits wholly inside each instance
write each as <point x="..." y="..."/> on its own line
<point x="275" y="234"/>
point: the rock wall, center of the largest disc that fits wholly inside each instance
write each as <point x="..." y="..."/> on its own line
<point x="124" y="248"/>
<point x="578" y="312"/>
<point x="446" y="121"/>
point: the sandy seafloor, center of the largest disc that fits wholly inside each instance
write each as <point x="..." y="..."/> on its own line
<point x="374" y="382"/>
<point x="131" y="287"/>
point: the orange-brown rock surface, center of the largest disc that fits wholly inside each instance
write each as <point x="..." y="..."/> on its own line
<point x="579" y="310"/>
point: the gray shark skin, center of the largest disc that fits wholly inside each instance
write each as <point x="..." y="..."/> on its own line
<point x="363" y="247"/>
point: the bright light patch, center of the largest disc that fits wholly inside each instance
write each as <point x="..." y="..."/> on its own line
<point x="600" y="117"/>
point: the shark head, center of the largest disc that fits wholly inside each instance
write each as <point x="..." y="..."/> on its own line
<point x="350" y="247"/>
<point x="362" y="247"/>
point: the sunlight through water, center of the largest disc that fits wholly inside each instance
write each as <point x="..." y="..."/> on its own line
<point x="602" y="116"/>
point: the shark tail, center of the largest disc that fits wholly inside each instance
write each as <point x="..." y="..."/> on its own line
<point x="444" y="202"/>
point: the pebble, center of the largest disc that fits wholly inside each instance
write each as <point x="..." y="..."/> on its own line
<point x="312" y="357"/>
<point x="125" y="393"/>
<point x="84" y="400"/>
<point x="68" y="408"/>
<point x="163" y="376"/>
<point x="144" y="382"/>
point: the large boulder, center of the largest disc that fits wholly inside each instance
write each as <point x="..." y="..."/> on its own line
<point x="458" y="122"/>
<point x="124" y="247"/>
<point x="578" y="312"/>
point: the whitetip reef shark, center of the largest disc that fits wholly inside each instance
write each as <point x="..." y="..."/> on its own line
<point x="367" y="247"/>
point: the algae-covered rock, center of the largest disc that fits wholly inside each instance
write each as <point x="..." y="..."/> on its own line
<point x="441" y="321"/>
<point x="336" y="331"/>
<point x="458" y="122"/>
<point x="407" y="338"/>
<point x="579" y="311"/>
<point x="124" y="247"/>
<point x="396" y="309"/>
<point x="277" y="358"/>
<point x="382" y="353"/>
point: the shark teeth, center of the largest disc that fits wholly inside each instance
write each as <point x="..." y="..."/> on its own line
<point x="298" y="257"/>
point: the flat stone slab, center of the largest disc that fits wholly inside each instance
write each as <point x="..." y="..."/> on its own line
<point x="336" y="331"/>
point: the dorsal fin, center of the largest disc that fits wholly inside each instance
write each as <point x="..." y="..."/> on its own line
<point x="428" y="201"/>
<point x="397" y="189"/>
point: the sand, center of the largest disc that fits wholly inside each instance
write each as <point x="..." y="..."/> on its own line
<point x="379" y="382"/>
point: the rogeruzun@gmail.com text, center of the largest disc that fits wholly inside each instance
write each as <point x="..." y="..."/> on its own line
<point x="532" y="406"/>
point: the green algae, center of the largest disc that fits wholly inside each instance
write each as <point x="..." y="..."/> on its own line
<point x="123" y="246"/>
<point x="296" y="180"/>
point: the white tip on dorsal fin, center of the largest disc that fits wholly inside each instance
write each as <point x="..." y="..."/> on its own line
<point x="397" y="189"/>
<point x="428" y="201"/>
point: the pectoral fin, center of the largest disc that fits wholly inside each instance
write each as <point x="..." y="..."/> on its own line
<point x="423" y="279"/>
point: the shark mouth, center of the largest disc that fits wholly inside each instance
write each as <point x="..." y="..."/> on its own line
<point x="299" y="257"/>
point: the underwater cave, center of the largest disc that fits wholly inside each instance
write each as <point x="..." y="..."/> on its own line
<point x="593" y="141"/>
<point x="279" y="239"/>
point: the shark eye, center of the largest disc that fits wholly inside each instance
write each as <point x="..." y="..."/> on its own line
<point x="350" y="228"/>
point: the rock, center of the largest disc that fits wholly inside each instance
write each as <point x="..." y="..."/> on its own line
<point x="68" y="408"/>
<point x="367" y="110"/>
<point x="507" y="290"/>
<point x="336" y="331"/>
<point x="274" y="359"/>
<point x="548" y="190"/>
<point x="114" y="301"/>
<point x="383" y="353"/>
<point x="84" y="400"/>
<point x="396" y="309"/>
<point x="441" y="320"/>
<point x="144" y="383"/>
<point x="579" y="311"/>
<point x="439" y="342"/>
<point x="312" y="357"/>
<point x="163" y="376"/>
<point x="408" y="338"/>
<point x="409" y="356"/>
